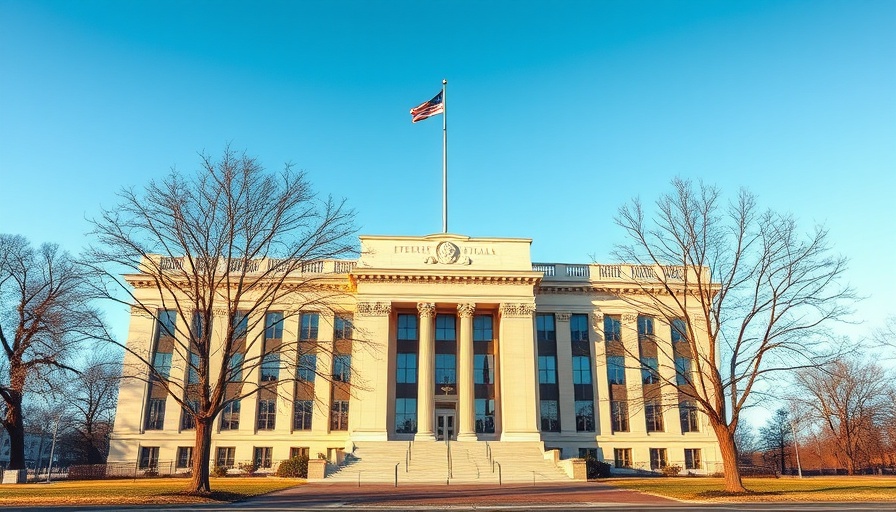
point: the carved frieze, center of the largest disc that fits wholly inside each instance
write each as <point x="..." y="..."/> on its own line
<point x="426" y="309"/>
<point x="374" y="308"/>
<point x="466" y="310"/>
<point x="517" y="309"/>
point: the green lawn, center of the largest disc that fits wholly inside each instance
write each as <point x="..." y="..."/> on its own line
<point x="843" y="488"/>
<point x="156" y="490"/>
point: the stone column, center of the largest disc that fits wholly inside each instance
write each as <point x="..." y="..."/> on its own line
<point x="466" y="411"/>
<point x="426" y="373"/>
<point x="369" y="403"/>
<point x="567" y="400"/>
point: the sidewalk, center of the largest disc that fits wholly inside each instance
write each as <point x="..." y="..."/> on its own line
<point x="426" y="496"/>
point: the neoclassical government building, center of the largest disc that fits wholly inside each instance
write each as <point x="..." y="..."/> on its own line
<point x="440" y="337"/>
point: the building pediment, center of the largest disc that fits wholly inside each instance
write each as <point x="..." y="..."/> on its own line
<point x="445" y="251"/>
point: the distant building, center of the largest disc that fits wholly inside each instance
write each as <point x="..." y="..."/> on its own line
<point x="436" y="337"/>
<point x="37" y="449"/>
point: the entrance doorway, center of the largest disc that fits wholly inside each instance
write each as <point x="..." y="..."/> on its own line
<point x="445" y="426"/>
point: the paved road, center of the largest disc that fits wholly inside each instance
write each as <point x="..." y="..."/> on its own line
<point x="511" y="498"/>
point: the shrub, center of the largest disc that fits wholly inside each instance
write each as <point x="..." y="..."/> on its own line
<point x="671" y="470"/>
<point x="247" y="467"/>
<point x="596" y="468"/>
<point x="296" y="467"/>
<point x="219" y="471"/>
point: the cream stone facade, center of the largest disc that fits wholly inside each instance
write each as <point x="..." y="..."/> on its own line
<point x="443" y="337"/>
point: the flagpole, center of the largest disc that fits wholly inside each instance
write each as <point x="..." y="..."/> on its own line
<point x="444" y="156"/>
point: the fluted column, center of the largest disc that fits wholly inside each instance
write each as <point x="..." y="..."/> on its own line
<point x="466" y="411"/>
<point x="425" y="373"/>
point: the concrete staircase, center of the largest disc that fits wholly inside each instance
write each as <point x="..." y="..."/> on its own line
<point x="427" y="462"/>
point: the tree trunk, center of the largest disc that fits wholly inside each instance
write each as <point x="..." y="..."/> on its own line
<point x="733" y="483"/>
<point x="202" y="448"/>
<point x="16" y="430"/>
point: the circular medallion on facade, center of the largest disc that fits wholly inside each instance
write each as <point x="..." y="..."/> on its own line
<point x="447" y="252"/>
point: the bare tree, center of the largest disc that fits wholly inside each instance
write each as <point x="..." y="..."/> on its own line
<point x="850" y="399"/>
<point x="774" y="438"/>
<point x="231" y="241"/>
<point x="45" y="313"/>
<point x="90" y="409"/>
<point x="748" y="290"/>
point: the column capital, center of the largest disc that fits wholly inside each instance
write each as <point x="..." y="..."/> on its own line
<point x="426" y="309"/>
<point x="562" y="317"/>
<point x="629" y="318"/>
<point x="466" y="310"/>
<point x="374" y="308"/>
<point x="521" y="310"/>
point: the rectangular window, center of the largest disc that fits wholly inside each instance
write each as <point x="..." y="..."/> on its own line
<point x="184" y="457"/>
<point x="307" y="368"/>
<point x="687" y="412"/>
<point x="622" y="457"/>
<point x="405" y="415"/>
<point x="155" y="414"/>
<point x="683" y="372"/>
<point x="679" y="330"/>
<point x="445" y="328"/>
<point x="161" y="362"/>
<point x="483" y="369"/>
<point x="230" y="416"/>
<point x="267" y="414"/>
<point x="612" y="328"/>
<point x="584" y="415"/>
<point x="198" y="326"/>
<point x="658" y="459"/>
<point x="645" y="327"/>
<point x="236" y="367"/>
<point x="339" y="415"/>
<point x="149" y="457"/>
<point x="193" y="372"/>
<point x="616" y="369"/>
<point x="225" y="457"/>
<point x="342" y="368"/>
<point x="550" y="416"/>
<point x="262" y="456"/>
<point x="406" y="368"/>
<point x="619" y="416"/>
<point x="270" y="367"/>
<point x="407" y="327"/>
<point x="692" y="459"/>
<point x="588" y="453"/>
<point x="482" y="328"/>
<point x="581" y="370"/>
<point x="308" y="326"/>
<point x="446" y="369"/>
<point x="650" y="370"/>
<point x="547" y="370"/>
<point x="240" y="324"/>
<point x="544" y="327"/>
<point x="578" y="327"/>
<point x="299" y="451"/>
<point x="187" y="417"/>
<point x="485" y="416"/>
<point x="167" y="323"/>
<point x="653" y="413"/>
<point x="304" y="409"/>
<point x="273" y="325"/>
<point x="342" y="327"/>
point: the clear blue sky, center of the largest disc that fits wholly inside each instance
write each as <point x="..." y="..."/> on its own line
<point x="559" y="112"/>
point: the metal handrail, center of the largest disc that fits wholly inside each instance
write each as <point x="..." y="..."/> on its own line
<point x="450" y="462"/>
<point x="499" y="472"/>
<point x="396" y="473"/>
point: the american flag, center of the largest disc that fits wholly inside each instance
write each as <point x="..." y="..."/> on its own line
<point x="429" y="108"/>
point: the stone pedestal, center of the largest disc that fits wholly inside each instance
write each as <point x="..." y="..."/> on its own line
<point x="15" y="476"/>
<point x="317" y="469"/>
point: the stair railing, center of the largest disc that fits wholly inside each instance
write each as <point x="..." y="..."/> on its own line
<point x="448" y="444"/>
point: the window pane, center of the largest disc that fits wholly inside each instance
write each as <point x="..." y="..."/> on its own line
<point x="273" y="325"/>
<point x="407" y="327"/>
<point x="483" y="369"/>
<point x="240" y="325"/>
<point x="406" y="415"/>
<point x="446" y="367"/>
<point x="612" y="328"/>
<point x="482" y="328"/>
<point x="547" y="370"/>
<point x="308" y="326"/>
<point x="307" y="369"/>
<point x="167" y="323"/>
<point x="679" y="330"/>
<point x="445" y="328"/>
<point x="616" y="369"/>
<point x="649" y="371"/>
<point x="581" y="370"/>
<point x="485" y="416"/>
<point x="578" y="327"/>
<point x="544" y="327"/>
<point x="342" y="328"/>
<point x="270" y="367"/>
<point x="406" y="368"/>
<point x="342" y="368"/>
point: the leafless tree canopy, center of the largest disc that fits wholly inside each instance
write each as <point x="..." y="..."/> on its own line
<point x="759" y="289"/>
<point x="45" y="313"/>
<point x="851" y="401"/>
<point x="229" y="240"/>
